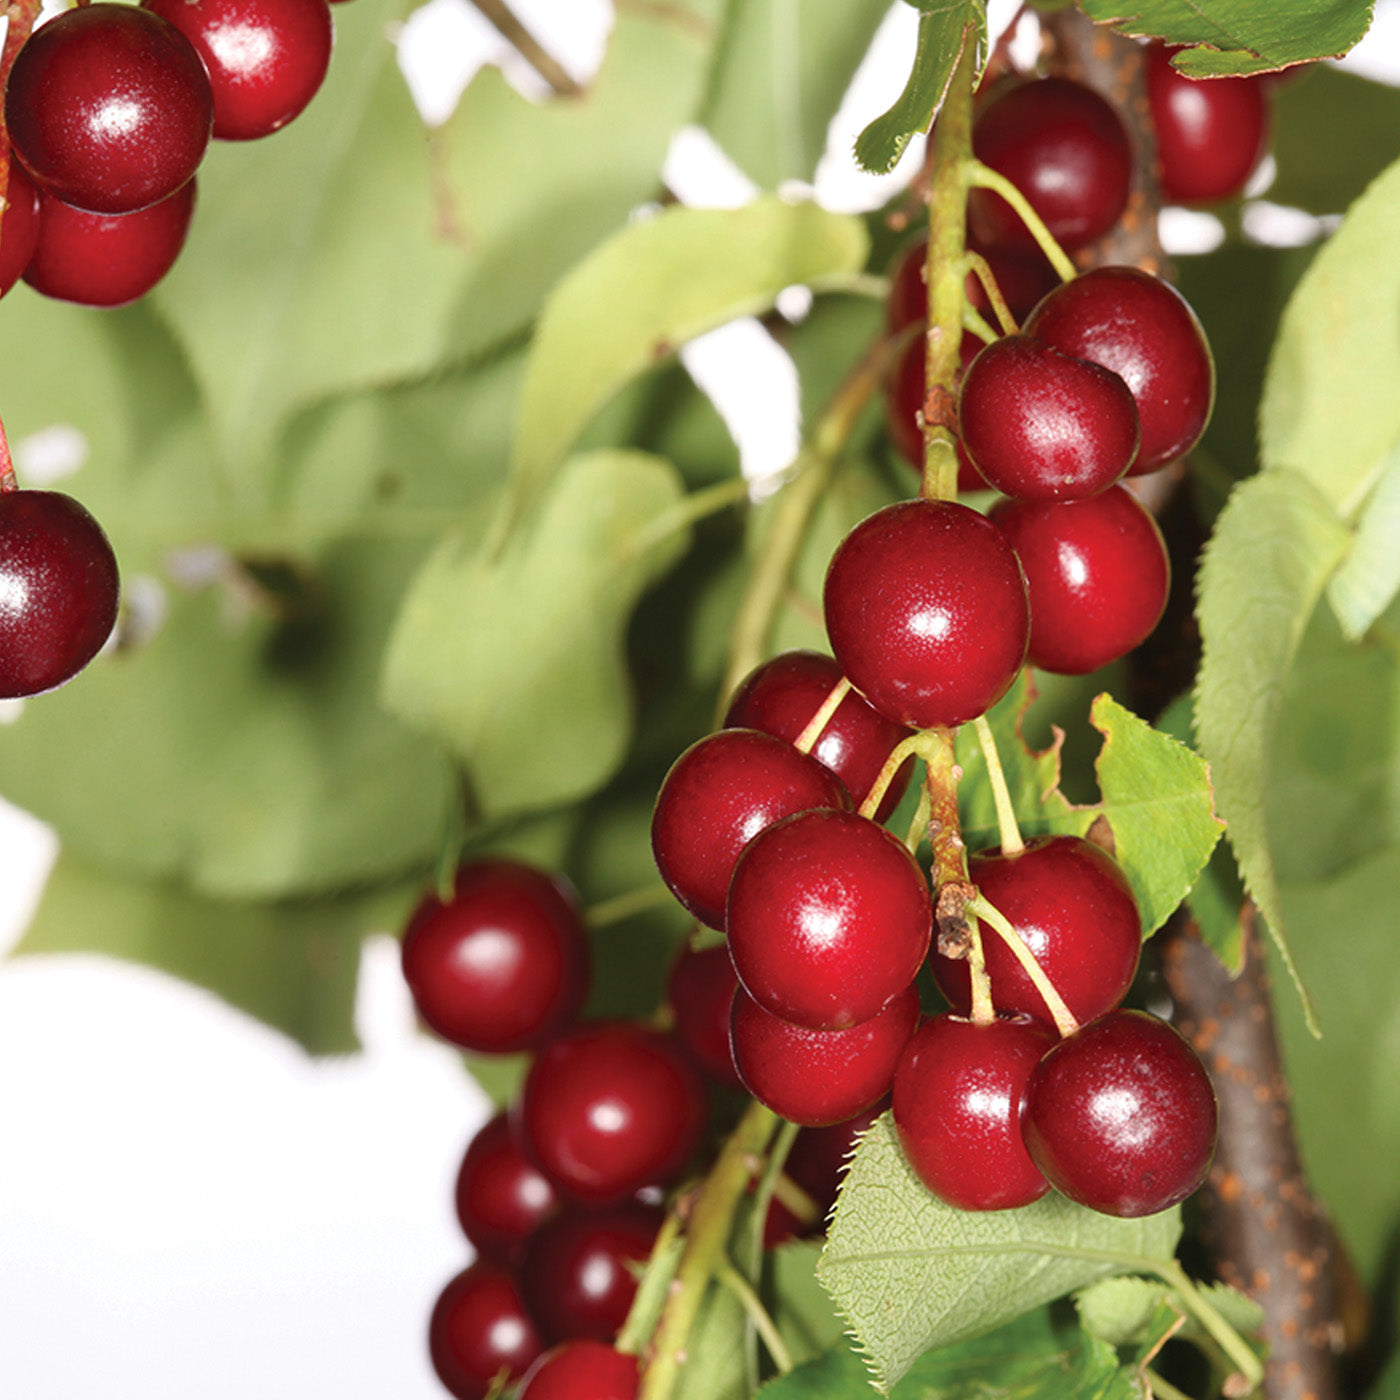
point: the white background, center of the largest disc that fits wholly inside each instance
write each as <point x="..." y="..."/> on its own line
<point x="188" y="1204"/>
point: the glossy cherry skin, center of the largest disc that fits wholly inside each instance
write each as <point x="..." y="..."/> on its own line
<point x="817" y="1163"/>
<point x="502" y="1197"/>
<point x="782" y="695"/>
<point x="19" y="226"/>
<point x="1211" y="132"/>
<point x="58" y="590"/>
<point x="1067" y="152"/>
<point x="265" y="58"/>
<point x="720" y="793"/>
<point x="829" y="919"/>
<point x="926" y="612"/>
<point x="109" y="108"/>
<point x="1097" y="572"/>
<point x="608" y="1109"/>
<point x="107" y="259"/>
<point x="904" y="401"/>
<point x="959" y="1092"/>
<point x="504" y="964"/>
<point x="1044" y="426"/>
<point x="817" y="1078"/>
<point x="582" y="1370"/>
<point x="1143" y="330"/>
<point x="1121" y="1116"/>
<point x="1073" y="908"/>
<point x="479" y="1327"/>
<point x="575" y="1277"/>
<point x="700" y="989"/>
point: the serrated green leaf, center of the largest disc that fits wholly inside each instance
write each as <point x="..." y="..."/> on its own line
<point x="1241" y="36"/>
<point x="1275" y="545"/>
<point x="911" y="1274"/>
<point x="944" y="27"/>
<point x="1120" y="1311"/>
<point x="513" y="658"/>
<point x="1368" y="579"/>
<point x="647" y="290"/>
<point x="292" y="965"/>
<point x="1328" y="412"/>
<point x="784" y="66"/>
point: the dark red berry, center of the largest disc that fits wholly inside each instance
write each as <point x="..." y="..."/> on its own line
<point x="1121" y="1116"/>
<point x="1043" y="426"/>
<point x="504" y="964"/>
<point x="904" y="401"/>
<point x="926" y="612"/>
<point x="1211" y="132"/>
<point x="107" y="259"/>
<point x="1073" y="908"/>
<point x="1097" y="573"/>
<point x="19" y="226"/>
<point x="109" y="108"/>
<point x="700" y="989"/>
<point x="479" y="1328"/>
<point x="1142" y="329"/>
<point x="720" y="793"/>
<point x="608" y="1109"/>
<point x="265" y="58"/>
<point x="502" y="1197"/>
<point x="58" y="590"/>
<point x="819" y="1077"/>
<point x="816" y="1163"/>
<point x="582" y="1371"/>
<point x="829" y="918"/>
<point x="1023" y="275"/>
<point x="1066" y="151"/>
<point x="959" y="1091"/>
<point x="781" y="696"/>
<point x="575" y="1276"/>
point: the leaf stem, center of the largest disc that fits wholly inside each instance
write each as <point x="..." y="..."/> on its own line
<point x="1239" y="1352"/>
<point x="984" y="177"/>
<point x="1064" y="1018"/>
<point x="696" y="506"/>
<point x="809" y="736"/>
<point x="620" y="907"/>
<point x="743" y="1290"/>
<point x="1010" y="833"/>
<point x="982" y="269"/>
<point x="1161" y="1388"/>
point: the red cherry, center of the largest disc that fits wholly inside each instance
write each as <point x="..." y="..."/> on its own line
<point x="1211" y="132"/>
<point x="781" y="696"/>
<point x="1024" y="276"/>
<point x="479" y="1328"/>
<point x="1121" y="1116"/>
<point x="720" y="793"/>
<point x="829" y="918"/>
<point x="816" y="1163"/>
<point x="19" y="226"/>
<point x="1142" y="329"/>
<point x="1067" y="152"/>
<point x="926" y="612"/>
<point x="502" y="1197"/>
<point x="265" y="58"/>
<point x="582" y="1370"/>
<point x="109" y="108"/>
<point x="1041" y="426"/>
<point x="504" y="964"/>
<point x="1073" y="908"/>
<point x="1097" y="573"/>
<point x="959" y="1090"/>
<point x="816" y="1078"/>
<point x="700" y="989"/>
<point x="575" y="1275"/>
<point x="58" y="590"/>
<point x="608" y="1109"/>
<point x="107" y="259"/>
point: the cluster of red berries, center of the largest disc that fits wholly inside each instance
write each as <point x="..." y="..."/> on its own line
<point x="109" y="109"/>
<point x="561" y="1196"/>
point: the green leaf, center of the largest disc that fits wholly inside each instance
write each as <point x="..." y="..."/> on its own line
<point x="802" y="1308"/>
<point x="1369" y="577"/>
<point x="714" y="1368"/>
<point x="1328" y="411"/>
<point x="292" y="965"/>
<point x="513" y="659"/>
<point x="911" y="1274"/>
<point x="1275" y="545"/>
<point x="1241" y="36"/>
<point x="783" y="69"/>
<point x="944" y="27"/>
<point x="647" y="290"/>
<point x="1120" y="1311"/>
<point x="359" y="248"/>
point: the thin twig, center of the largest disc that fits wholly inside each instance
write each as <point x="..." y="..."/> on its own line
<point x="528" y="47"/>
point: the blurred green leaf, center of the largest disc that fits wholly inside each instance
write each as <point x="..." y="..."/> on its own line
<point x="911" y="1274"/>
<point x="292" y="965"/>
<point x="1369" y="577"/>
<point x="1241" y="36"/>
<point x="802" y="1308"/>
<point x="783" y="69"/>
